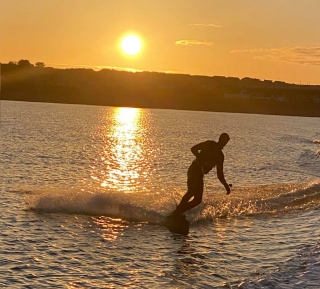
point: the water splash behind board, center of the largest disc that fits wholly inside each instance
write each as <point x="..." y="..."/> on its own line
<point x="151" y="208"/>
<point x="117" y="205"/>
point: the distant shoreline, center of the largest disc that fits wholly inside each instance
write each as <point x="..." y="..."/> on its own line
<point x="248" y="111"/>
<point x="157" y="90"/>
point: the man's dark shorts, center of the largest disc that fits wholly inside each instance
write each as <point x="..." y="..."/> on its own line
<point x="195" y="179"/>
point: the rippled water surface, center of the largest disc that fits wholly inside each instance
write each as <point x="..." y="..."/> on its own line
<point x="84" y="190"/>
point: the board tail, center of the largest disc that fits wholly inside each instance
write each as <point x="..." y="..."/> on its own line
<point x="177" y="224"/>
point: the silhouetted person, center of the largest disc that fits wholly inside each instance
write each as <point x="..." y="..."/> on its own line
<point x="208" y="155"/>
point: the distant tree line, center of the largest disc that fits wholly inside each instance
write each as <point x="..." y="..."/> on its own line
<point x="25" y="81"/>
<point x="22" y="63"/>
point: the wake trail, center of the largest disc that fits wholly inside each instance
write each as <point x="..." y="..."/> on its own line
<point x="117" y="205"/>
<point x="266" y="200"/>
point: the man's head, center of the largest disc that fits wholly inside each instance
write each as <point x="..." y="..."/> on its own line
<point x="223" y="139"/>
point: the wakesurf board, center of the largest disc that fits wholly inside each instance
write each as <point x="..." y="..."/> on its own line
<point x="177" y="224"/>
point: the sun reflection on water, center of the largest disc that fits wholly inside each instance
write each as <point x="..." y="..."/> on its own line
<point x="109" y="229"/>
<point x="126" y="150"/>
<point x="124" y="161"/>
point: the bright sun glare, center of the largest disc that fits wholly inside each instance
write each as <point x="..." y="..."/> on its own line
<point x="131" y="44"/>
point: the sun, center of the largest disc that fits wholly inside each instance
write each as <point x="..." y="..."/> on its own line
<point x="131" y="44"/>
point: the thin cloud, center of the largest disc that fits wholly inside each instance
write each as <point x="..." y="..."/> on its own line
<point x="193" y="42"/>
<point x="298" y="55"/>
<point x="206" y="25"/>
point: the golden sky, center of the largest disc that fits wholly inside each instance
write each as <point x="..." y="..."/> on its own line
<point x="265" y="39"/>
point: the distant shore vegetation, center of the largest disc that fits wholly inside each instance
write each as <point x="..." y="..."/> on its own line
<point x="24" y="81"/>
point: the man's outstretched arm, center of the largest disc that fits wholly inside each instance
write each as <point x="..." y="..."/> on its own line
<point x="221" y="178"/>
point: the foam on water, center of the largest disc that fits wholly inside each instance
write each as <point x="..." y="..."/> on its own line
<point x="307" y="157"/>
<point x="117" y="205"/>
<point x="243" y="201"/>
<point x="267" y="200"/>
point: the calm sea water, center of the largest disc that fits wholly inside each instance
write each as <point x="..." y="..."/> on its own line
<point x="84" y="190"/>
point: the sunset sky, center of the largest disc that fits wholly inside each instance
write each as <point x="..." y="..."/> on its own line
<point x="265" y="39"/>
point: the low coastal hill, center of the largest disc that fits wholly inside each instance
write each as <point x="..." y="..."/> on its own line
<point x="24" y="81"/>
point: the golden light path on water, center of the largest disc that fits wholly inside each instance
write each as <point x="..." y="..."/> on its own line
<point x="124" y="158"/>
<point x="125" y="151"/>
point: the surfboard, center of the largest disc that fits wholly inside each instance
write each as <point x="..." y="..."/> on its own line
<point x="177" y="224"/>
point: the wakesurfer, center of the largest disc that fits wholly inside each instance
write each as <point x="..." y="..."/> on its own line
<point x="208" y="155"/>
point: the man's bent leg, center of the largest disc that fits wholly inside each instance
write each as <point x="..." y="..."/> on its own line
<point x="195" y="190"/>
<point x="196" y="193"/>
<point x="195" y="202"/>
<point x="184" y="201"/>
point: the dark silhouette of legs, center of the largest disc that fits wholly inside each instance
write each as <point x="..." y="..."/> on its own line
<point x="195" y="189"/>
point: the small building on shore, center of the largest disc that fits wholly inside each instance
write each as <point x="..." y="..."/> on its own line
<point x="244" y="94"/>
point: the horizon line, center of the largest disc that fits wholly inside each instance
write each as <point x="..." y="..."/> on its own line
<point x="135" y="70"/>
